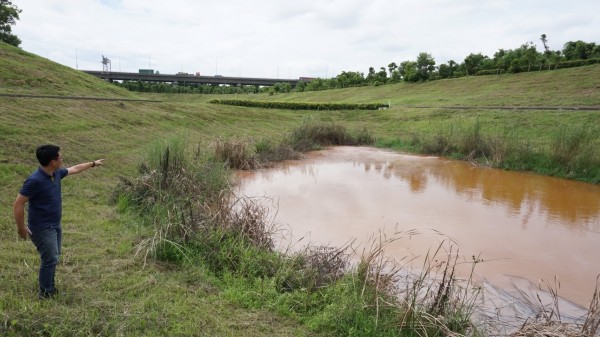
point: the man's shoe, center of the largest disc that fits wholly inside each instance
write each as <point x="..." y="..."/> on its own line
<point x="48" y="294"/>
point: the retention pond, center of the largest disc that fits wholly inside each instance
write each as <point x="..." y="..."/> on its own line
<point x="525" y="227"/>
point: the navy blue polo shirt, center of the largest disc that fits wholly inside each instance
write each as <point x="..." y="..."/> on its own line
<point x="45" y="200"/>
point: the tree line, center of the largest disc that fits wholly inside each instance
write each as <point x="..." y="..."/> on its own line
<point x="522" y="59"/>
<point x="191" y="88"/>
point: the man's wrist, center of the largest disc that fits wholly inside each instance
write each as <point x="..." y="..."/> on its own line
<point x="93" y="163"/>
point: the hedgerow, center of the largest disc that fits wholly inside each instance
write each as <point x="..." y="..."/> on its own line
<point x="299" y="105"/>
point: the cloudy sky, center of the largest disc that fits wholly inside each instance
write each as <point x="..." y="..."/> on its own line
<point x="289" y="39"/>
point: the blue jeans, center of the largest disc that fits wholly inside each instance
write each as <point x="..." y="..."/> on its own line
<point x="47" y="240"/>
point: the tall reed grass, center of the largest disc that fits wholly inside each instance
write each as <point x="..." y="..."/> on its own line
<point x="313" y="134"/>
<point x="574" y="151"/>
<point x="235" y="153"/>
<point x="576" y="148"/>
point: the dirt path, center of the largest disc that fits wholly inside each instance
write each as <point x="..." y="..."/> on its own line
<point x="89" y="98"/>
<point x="504" y="107"/>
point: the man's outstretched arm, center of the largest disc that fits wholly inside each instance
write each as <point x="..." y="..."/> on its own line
<point x="84" y="166"/>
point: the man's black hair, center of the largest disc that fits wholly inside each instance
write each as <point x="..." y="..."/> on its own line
<point x="46" y="153"/>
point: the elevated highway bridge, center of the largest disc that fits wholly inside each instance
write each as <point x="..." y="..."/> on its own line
<point x="189" y="79"/>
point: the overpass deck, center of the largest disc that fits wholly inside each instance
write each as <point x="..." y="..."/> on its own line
<point x="189" y="79"/>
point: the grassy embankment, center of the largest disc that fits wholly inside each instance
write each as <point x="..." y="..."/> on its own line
<point x="107" y="290"/>
<point x="508" y="121"/>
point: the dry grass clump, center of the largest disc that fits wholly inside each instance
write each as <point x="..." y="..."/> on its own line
<point x="313" y="267"/>
<point x="548" y="329"/>
<point x="329" y="263"/>
<point x="591" y="326"/>
<point x="436" y="298"/>
<point x="235" y="153"/>
<point x="268" y="152"/>
<point x="431" y="301"/>
<point x="310" y="135"/>
<point x="376" y="268"/>
<point x="250" y="219"/>
<point x="548" y="321"/>
<point x="313" y="134"/>
<point x="182" y="198"/>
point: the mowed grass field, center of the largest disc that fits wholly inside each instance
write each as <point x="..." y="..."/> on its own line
<point x="107" y="290"/>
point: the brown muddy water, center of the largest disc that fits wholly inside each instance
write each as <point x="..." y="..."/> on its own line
<point x="526" y="228"/>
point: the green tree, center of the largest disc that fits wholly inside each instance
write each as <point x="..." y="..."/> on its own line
<point x="555" y="59"/>
<point x="316" y="85"/>
<point x="408" y="71"/>
<point x="350" y="79"/>
<point x="473" y="62"/>
<point x="547" y="52"/>
<point x="531" y="54"/>
<point x="447" y="70"/>
<point x="282" y="87"/>
<point x="382" y="75"/>
<point x="580" y="50"/>
<point x="395" y="77"/>
<point x="545" y="42"/>
<point x="301" y="86"/>
<point x="501" y="60"/>
<point x="391" y="67"/>
<point x="9" y="13"/>
<point x="453" y="66"/>
<point x="371" y="76"/>
<point x="425" y="66"/>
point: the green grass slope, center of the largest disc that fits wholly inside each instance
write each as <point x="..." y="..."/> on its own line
<point x="565" y="87"/>
<point x="25" y="73"/>
<point x="108" y="290"/>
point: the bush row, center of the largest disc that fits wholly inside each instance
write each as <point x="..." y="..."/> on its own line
<point x="560" y="65"/>
<point x="300" y="105"/>
<point x="578" y="63"/>
<point x="490" y="72"/>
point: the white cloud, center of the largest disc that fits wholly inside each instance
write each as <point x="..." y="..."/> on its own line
<point x="281" y="38"/>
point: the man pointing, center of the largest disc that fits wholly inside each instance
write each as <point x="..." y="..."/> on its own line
<point x="42" y="190"/>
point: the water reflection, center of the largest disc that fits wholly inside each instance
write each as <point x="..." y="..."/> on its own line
<point x="569" y="203"/>
<point x="529" y="226"/>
